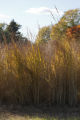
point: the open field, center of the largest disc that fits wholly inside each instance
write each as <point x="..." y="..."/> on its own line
<point x="38" y="113"/>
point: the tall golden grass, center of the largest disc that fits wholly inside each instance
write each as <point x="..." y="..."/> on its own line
<point x="28" y="76"/>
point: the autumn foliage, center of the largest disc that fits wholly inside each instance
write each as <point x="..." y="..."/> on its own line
<point x="73" y="32"/>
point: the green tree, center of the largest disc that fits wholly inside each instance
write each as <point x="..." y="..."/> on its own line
<point x="43" y="35"/>
<point x="13" y="29"/>
<point x="3" y="32"/>
<point x="11" y="32"/>
<point x="69" y="19"/>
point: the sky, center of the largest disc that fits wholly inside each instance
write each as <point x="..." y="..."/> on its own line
<point x="33" y="14"/>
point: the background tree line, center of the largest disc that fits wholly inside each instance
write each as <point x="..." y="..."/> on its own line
<point x="10" y="32"/>
<point x="69" y="19"/>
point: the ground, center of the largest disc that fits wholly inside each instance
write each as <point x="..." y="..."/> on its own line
<point x="38" y="113"/>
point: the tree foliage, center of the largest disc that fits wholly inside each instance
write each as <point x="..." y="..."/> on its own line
<point x="43" y="35"/>
<point x="13" y="27"/>
<point x="73" y="32"/>
<point x="9" y="32"/>
<point x="69" y="19"/>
